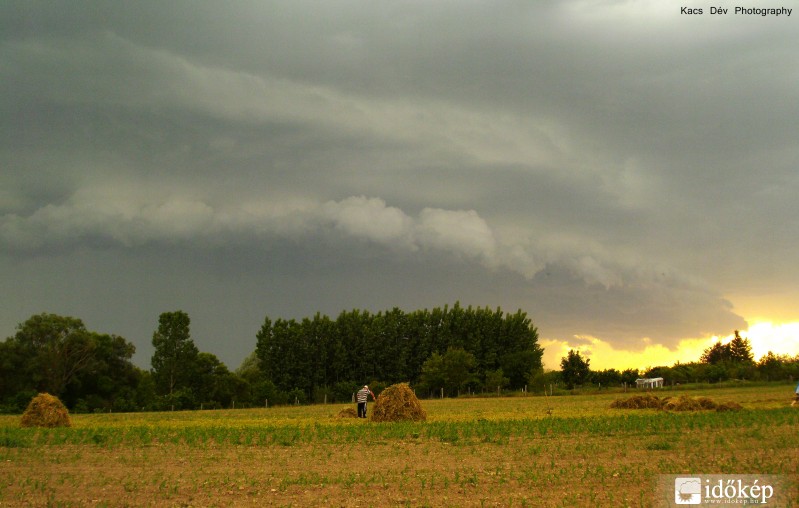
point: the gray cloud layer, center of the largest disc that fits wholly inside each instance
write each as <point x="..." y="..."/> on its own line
<point x="612" y="168"/>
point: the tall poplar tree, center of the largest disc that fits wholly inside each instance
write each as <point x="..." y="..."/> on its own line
<point x="175" y="358"/>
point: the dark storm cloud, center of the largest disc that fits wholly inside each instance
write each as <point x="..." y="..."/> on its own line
<point x="610" y="167"/>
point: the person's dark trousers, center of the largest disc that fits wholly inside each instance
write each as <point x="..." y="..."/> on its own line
<point x="362" y="410"/>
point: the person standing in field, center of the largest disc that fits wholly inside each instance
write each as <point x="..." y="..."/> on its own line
<point x="362" y="396"/>
<point x="795" y="396"/>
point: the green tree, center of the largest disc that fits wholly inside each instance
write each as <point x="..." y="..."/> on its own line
<point x="740" y="349"/>
<point x="451" y="371"/>
<point x="725" y="361"/>
<point x="16" y="387"/>
<point x="737" y="350"/>
<point x="175" y="357"/>
<point x="575" y="370"/>
<point x="772" y="367"/>
<point x="57" y="354"/>
<point x="250" y="368"/>
<point x="518" y="366"/>
<point x="607" y="377"/>
<point x="316" y="354"/>
<point x="495" y="379"/>
<point x="109" y="380"/>
<point x="57" y="349"/>
<point x="209" y="380"/>
<point x="682" y="373"/>
<point x="432" y="377"/>
<point x="715" y="354"/>
<point x="458" y="365"/>
<point x="629" y="376"/>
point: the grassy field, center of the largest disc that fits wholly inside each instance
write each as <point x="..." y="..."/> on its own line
<point x="517" y="451"/>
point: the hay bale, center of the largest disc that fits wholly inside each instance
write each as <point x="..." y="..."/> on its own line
<point x="683" y="403"/>
<point x="647" y="401"/>
<point x="45" y="410"/>
<point x="686" y="403"/>
<point x="347" y="413"/>
<point x="398" y="403"/>
<point x="728" y="406"/>
<point x="706" y="403"/>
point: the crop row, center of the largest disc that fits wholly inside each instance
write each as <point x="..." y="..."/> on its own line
<point x="461" y="432"/>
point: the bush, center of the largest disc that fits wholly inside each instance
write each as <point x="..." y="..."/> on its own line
<point x="180" y="399"/>
<point x="46" y="410"/>
<point x="322" y="394"/>
<point x="344" y="390"/>
<point x="398" y="403"/>
<point x="17" y="403"/>
<point x="296" y="396"/>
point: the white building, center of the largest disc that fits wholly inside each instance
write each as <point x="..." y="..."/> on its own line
<point x="654" y="382"/>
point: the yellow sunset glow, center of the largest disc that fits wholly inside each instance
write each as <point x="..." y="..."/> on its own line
<point x="764" y="337"/>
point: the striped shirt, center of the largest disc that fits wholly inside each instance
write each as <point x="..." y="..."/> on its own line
<point x="362" y="395"/>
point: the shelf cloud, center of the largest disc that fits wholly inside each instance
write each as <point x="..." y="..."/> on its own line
<point x="613" y="169"/>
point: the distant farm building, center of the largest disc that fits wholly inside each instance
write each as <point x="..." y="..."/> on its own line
<point x="653" y="382"/>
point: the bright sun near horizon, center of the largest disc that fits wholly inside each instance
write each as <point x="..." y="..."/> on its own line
<point x="764" y="336"/>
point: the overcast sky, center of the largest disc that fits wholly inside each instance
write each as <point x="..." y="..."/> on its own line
<point x="615" y="169"/>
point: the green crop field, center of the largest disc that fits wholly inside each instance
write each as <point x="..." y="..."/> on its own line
<point x="571" y="450"/>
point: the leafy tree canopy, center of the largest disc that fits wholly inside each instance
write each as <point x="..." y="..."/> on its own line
<point x="175" y="356"/>
<point x="575" y="370"/>
<point x="737" y="350"/>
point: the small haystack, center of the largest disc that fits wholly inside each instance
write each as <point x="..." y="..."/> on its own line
<point x="639" y="402"/>
<point x="682" y="403"/>
<point x="347" y="413"/>
<point x="398" y="403"/>
<point x="45" y="410"/>
<point x="728" y="406"/>
<point x="686" y="403"/>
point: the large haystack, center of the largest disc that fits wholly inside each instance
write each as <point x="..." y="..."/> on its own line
<point x="398" y="403"/>
<point x="45" y="410"/>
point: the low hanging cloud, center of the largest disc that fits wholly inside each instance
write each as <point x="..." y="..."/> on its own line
<point x="130" y="219"/>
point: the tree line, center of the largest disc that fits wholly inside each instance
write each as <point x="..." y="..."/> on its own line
<point x="449" y="349"/>
<point x="444" y="351"/>
<point x="719" y="362"/>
